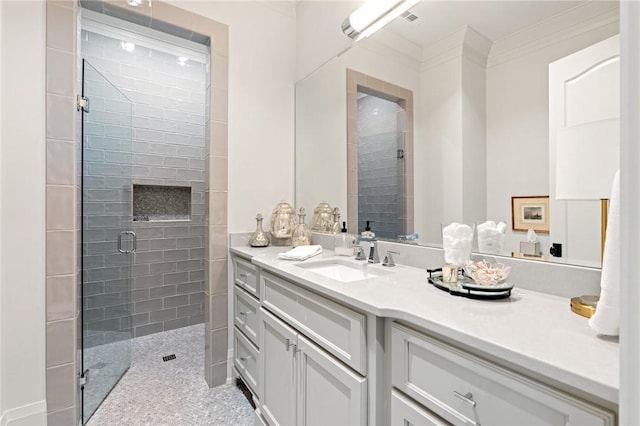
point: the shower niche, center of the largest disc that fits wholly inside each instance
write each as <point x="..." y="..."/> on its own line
<point x="154" y="203"/>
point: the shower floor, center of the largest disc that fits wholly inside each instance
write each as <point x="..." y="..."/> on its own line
<point x="155" y="392"/>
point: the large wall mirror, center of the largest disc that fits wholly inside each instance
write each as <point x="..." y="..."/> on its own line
<point x="475" y="135"/>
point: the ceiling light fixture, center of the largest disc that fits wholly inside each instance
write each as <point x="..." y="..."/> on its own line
<point x="182" y="61"/>
<point x="373" y="15"/>
<point x="134" y="3"/>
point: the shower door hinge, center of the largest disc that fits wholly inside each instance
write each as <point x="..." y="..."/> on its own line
<point x="83" y="378"/>
<point x="400" y="153"/>
<point x="82" y="103"/>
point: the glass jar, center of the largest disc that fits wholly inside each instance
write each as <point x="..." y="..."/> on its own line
<point x="259" y="238"/>
<point x="322" y="218"/>
<point x="283" y="220"/>
<point x="301" y="234"/>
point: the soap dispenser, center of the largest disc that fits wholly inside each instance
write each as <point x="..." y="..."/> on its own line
<point x="368" y="233"/>
<point x="301" y="233"/>
<point x="344" y="242"/>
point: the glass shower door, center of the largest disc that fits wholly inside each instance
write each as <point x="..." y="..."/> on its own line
<point x="108" y="242"/>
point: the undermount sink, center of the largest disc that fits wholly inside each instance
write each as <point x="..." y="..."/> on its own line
<point x="343" y="270"/>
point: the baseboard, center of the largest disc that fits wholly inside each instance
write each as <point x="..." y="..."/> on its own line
<point x="27" y="415"/>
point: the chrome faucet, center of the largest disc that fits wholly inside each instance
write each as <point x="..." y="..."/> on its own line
<point x="388" y="259"/>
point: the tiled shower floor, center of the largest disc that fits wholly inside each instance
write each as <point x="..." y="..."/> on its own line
<point x="173" y="393"/>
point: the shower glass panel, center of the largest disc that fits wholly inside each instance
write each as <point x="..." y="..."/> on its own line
<point x="108" y="242"/>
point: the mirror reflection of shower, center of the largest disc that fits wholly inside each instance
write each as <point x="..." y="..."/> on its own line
<point x="382" y="159"/>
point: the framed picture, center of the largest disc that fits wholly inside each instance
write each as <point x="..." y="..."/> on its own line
<point x="530" y="213"/>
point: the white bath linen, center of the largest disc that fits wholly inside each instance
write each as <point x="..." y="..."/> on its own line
<point x="301" y="253"/>
<point x="606" y="320"/>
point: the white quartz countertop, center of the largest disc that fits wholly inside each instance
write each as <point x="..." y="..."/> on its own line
<point x="533" y="332"/>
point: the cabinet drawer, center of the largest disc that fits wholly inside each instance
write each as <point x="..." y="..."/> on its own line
<point x="245" y="314"/>
<point x="338" y="329"/>
<point x="246" y="276"/>
<point x="245" y="356"/>
<point x="464" y="389"/>
<point x="405" y="412"/>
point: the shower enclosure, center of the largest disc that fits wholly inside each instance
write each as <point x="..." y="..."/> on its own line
<point x="108" y="241"/>
<point x="381" y="165"/>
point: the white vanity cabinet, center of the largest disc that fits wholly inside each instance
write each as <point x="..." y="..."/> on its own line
<point x="460" y="388"/>
<point x="302" y="381"/>
<point x="246" y="311"/>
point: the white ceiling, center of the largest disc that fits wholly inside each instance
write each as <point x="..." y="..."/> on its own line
<point x="493" y="19"/>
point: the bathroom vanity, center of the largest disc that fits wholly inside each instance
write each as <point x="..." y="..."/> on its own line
<point x="336" y="341"/>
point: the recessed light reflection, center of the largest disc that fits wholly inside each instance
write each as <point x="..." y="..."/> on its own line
<point x="134" y="3"/>
<point x="129" y="47"/>
<point x="182" y="61"/>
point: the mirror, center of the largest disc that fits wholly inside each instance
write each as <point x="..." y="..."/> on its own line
<point x="479" y="120"/>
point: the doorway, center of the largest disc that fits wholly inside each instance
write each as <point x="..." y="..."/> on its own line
<point x="144" y="106"/>
<point x="379" y="156"/>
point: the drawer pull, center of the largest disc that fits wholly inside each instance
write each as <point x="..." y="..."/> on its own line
<point x="245" y="313"/>
<point x="467" y="398"/>
<point x="245" y="358"/>
<point x="243" y="276"/>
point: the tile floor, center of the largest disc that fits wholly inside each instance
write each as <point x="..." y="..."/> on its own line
<point x="154" y="392"/>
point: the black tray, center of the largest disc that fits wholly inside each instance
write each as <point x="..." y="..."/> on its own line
<point x="460" y="288"/>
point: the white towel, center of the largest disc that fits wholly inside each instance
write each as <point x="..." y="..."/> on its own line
<point x="301" y="253"/>
<point x="456" y="241"/>
<point x="606" y="320"/>
<point x="491" y="237"/>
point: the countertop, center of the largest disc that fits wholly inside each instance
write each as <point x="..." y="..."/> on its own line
<point x="532" y="332"/>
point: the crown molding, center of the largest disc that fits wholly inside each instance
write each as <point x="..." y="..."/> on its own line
<point x="586" y="17"/>
<point x="466" y="42"/>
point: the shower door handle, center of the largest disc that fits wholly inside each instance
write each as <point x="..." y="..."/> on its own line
<point x="134" y="242"/>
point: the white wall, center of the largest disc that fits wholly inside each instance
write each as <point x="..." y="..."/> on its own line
<point x="262" y="42"/>
<point x="321" y="98"/>
<point x="439" y="149"/>
<point x="518" y="127"/>
<point x="319" y="33"/>
<point x="474" y="144"/>
<point x="22" y="213"/>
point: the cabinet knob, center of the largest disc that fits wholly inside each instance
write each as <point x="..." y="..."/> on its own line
<point x="467" y="398"/>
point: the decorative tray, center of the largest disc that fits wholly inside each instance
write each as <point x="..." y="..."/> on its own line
<point x="466" y="287"/>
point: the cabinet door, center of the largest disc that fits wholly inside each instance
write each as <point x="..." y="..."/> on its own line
<point x="329" y="392"/>
<point x="277" y="370"/>
<point x="246" y="357"/>
<point x="405" y="412"/>
<point x="464" y="389"/>
<point x="246" y="276"/>
<point x="245" y="314"/>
